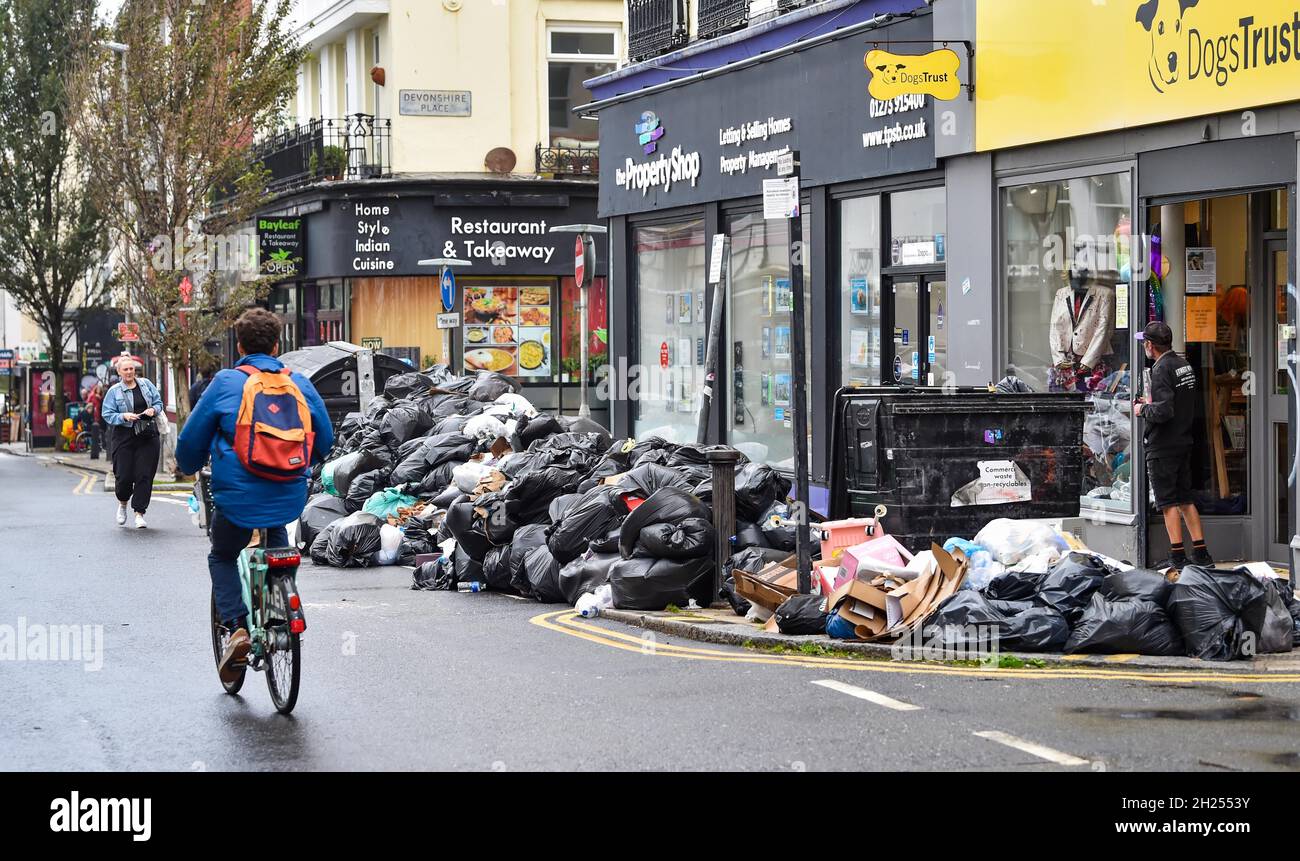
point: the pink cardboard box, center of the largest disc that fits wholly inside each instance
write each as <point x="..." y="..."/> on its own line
<point x="883" y="549"/>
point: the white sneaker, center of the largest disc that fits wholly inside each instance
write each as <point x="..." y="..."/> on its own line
<point x="139" y="522"/>
<point x="121" y="514"/>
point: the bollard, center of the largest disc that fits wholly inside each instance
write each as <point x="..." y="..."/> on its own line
<point x="723" y="459"/>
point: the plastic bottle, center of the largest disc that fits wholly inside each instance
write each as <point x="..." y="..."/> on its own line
<point x="469" y="586"/>
<point x="194" y="510"/>
<point x="588" y="606"/>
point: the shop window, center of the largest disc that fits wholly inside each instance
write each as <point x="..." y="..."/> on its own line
<point x="916" y="227"/>
<point x="571" y="334"/>
<point x="284" y="302"/>
<point x="575" y="56"/>
<point x="664" y="388"/>
<point x="860" y="290"/>
<point x="760" y="414"/>
<point x="1067" y="265"/>
<point x="509" y="327"/>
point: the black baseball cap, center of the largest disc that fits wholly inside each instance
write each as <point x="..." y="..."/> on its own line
<point x="1159" y="334"/>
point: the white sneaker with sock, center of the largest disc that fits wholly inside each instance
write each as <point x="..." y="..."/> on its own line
<point x="121" y="514"/>
<point x="139" y="521"/>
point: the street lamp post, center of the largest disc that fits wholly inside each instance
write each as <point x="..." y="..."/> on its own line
<point x="447" y="285"/>
<point x="584" y="271"/>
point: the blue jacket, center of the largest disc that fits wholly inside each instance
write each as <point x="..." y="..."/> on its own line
<point x="243" y="498"/>
<point x="119" y="399"/>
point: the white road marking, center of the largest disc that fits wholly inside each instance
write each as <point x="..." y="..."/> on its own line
<point x="869" y="696"/>
<point x="1031" y="748"/>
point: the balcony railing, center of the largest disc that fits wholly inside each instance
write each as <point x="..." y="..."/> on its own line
<point x="786" y="5"/>
<point x="568" y="161"/>
<point x="655" y="27"/>
<point x="719" y="16"/>
<point x="358" y="146"/>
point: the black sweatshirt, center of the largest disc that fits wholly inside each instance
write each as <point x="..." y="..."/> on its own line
<point x="1168" y="428"/>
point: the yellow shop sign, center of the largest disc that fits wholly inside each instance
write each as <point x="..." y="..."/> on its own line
<point x="894" y="75"/>
<point x="1063" y="68"/>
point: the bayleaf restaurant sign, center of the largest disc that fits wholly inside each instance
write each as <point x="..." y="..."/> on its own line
<point x="389" y="236"/>
<point x="719" y="138"/>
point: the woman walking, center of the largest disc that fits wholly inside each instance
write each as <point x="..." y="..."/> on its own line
<point x="131" y="408"/>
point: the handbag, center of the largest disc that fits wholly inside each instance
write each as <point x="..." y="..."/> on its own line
<point x="144" y="428"/>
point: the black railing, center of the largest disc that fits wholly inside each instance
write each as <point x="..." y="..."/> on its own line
<point x="567" y="161"/>
<point x="655" y="27"/>
<point x="358" y="146"/>
<point x="720" y="16"/>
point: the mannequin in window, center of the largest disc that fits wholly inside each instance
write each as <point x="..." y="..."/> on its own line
<point x="1081" y="330"/>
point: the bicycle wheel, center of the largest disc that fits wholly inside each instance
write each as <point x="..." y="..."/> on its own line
<point x="219" y="638"/>
<point x="82" y="441"/>
<point x="284" y="649"/>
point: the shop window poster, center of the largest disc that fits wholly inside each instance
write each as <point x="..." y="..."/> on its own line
<point x="699" y="307"/>
<point x="781" y="342"/>
<point x="766" y="288"/>
<point x="860" y="348"/>
<point x="684" y="313"/>
<point x="671" y="316"/>
<point x="784" y="302"/>
<point x="764" y="383"/>
<point x="684" y="352"/>
<point x="781" y="390"/>
<point x="859" y="296"/>
<point x="766" y="348"/>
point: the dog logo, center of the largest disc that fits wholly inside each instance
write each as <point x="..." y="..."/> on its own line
<point x="649" y="132"/>
<point x="1163" y="19"/>
<point x="894" y="75"/>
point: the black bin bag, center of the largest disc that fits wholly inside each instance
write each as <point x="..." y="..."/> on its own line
<point x="665" y="505"/>
<point x="585" y="573"/>
<point x="1221" y="614"/>
<point x="525" y="540"/>
<point x="645" y="479"/>
<point x="643" y="583"/>
<point x="757" y="487"/>
<point x="801" y="614"/>
<point x="322" y="510"/>
<point x="348" y="543"/>
<point x="968" y="619"/>
<point x="543" y="574"/>
<point x="1124" y="626"/>
<point x="691" y="538"/>
<point x="592" y="516"/>
<point x="468" y="530"/>
<point x="365" y="486"/>
<point x="1137" y="583"/>
<point x="1069" y="584"/>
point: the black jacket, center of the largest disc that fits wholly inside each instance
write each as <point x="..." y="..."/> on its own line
<point x="1168" y="418"/>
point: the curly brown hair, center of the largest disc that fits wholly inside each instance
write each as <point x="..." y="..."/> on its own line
<point x="258" y="331"/>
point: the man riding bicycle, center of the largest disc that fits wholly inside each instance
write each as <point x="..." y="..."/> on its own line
<point x="244" y="500"/>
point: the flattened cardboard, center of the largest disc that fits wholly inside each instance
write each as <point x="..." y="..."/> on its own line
<point x="768" y="595"/>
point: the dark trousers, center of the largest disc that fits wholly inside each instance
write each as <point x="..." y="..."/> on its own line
<point x="96" y="439"/>
<point x="223" y="564"/>
<point x="135" y="461"/>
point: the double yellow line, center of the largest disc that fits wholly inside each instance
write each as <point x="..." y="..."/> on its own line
<point x="86" y="486"/>
<point x="571" y="624"/>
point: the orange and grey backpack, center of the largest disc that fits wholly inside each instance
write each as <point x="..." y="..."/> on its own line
<point x="273" y="435"/>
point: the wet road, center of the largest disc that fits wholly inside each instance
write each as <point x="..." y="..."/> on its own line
<point x="396" y="679"/>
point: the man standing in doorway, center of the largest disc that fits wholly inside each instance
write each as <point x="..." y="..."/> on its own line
<point x="1167" y="412"/>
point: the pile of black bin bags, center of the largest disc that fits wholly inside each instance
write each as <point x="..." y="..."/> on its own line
<point x="1082" y="605"/>
<point x="564" y="511"/>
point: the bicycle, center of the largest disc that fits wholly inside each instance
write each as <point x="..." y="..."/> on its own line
<point x="275" y="619"/>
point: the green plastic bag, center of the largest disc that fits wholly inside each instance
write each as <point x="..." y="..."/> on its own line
<point x="327" y="478"/>
<point x="384" y="503"/>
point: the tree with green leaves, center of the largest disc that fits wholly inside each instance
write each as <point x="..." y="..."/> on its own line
<point x="51" y="232"/>
<point x="167" y="130"/>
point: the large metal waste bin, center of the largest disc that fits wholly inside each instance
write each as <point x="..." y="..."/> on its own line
<point x="944" y="464"/>
<point x="345" y="375"/>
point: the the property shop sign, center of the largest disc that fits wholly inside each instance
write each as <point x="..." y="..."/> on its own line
<point x="389" y="236"/>
<point x="720" y="137"/>
<point x="280" y="246"/>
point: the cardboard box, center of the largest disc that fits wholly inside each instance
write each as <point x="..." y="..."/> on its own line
<point x="862" y="605"/>
<point x="769" y="587"/>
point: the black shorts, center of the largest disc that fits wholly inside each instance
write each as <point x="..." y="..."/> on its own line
<point x="1171" y="479"/>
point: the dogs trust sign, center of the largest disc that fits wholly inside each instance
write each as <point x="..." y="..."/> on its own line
<point x="1052" y="70"/>
<point x="893" y="75"/>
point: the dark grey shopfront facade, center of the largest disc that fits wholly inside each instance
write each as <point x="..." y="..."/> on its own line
<point x="873" y="247"/>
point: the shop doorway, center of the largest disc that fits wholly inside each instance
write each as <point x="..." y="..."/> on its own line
<point x="1218" y="275"/>
<point x="917" y="317"/>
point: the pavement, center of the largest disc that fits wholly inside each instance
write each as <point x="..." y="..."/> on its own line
<point x="82" y="460"/>
<point x="402" y="679"/>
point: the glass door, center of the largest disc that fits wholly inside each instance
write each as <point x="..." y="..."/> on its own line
<point x="920" y="336"/>
<point x="1279" y="519"/>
